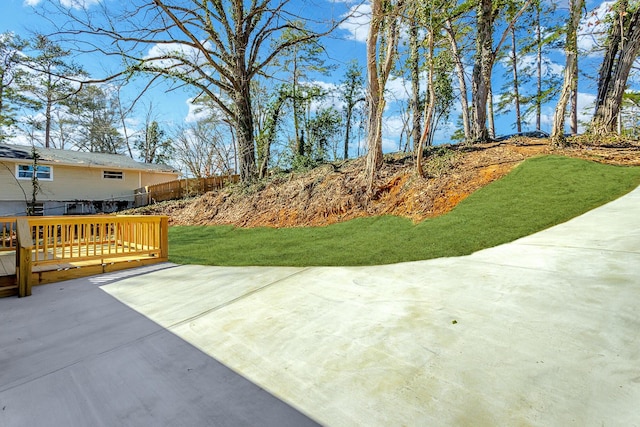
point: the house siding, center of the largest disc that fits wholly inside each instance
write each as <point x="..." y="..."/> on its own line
<point x="82" y="183"/>
<point x="149" y="178"/>
<point x="74" y="183"/>
<point x="10" y="187"/>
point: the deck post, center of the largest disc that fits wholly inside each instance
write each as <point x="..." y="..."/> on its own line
<point x="24" y="248"/>
<point x="164" y="237"/>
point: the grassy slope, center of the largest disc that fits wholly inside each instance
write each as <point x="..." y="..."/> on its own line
<point x="541" y="192"/>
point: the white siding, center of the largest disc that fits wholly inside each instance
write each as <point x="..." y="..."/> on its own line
<point x="78" y="183"/>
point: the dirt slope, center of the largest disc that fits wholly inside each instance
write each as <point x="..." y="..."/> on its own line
<point x="337" y="192"/>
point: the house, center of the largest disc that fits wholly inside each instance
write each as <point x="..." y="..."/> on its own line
<point x="72" y="182"/>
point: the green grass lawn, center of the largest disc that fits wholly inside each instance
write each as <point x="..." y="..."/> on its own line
<point x="539" y="193"/>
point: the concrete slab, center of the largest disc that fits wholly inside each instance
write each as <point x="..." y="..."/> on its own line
<point x="176" y="295"/>
<point x="71" y="355"/>
<point x="542" y="331"/>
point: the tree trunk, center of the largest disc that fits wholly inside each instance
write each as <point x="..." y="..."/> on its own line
<point x="571" y="50"/>
<point x="462" y="81"/>
<point x="429" y="110"/>
<point x="267" y="135"/>
<point x="244" y="126"/>
<point x="47" y="111"/>
<point x="243" y="110"/>
<point x="490" y="115"/>
<point x="538" y="70"/>
<point x="374" y="138"/>
<point x="606" y="116"/>
<point x="347" y="133"/>
<point x="299" y="143"/>
<point x="483" y="66"/>
<point x="415" y="79"/>
<point x="375" y="104"/>
<point x="376" y="81"/>
<point x="482" y="70"/>
<point x="573" y="117"/>
<point x="516" y="89"/>
<point x="608" y="62"/>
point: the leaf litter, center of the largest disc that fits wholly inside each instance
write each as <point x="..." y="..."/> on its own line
<point x="337" y="192"/>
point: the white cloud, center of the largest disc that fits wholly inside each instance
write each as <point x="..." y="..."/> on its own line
<point x="331" y="100"/>
<point x="327" y="86"/>
<point x="177" y="50"/>
<point x="586" y="106"/>
<point x="391" y="132"/>
<point x="398" y="88"/>
<point x="634" y="78"/>
<point x="19" y="139"/>
<point x="549" y="67"/>
<point x="443" y="132"/>
<point x="196" y="112"/>
<point x="357" y="23"/>
<point x="78" y="4"/>
<point x="70" y="4"/>
<point x="546" y="118"/>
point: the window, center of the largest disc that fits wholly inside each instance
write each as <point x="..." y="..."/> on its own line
<point x="44" y="173"/>
<point x="112" y="175"/>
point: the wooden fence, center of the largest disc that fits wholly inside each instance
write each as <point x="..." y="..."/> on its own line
<point x="50" y="249"/>
<point x="181" y="188"/>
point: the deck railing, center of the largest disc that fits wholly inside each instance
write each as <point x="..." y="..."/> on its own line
<point x="7" y="233"/>
<point x="60" y="240"/>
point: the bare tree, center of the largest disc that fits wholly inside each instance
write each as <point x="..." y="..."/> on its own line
<point x="215" y="47"/>
<point x="201" y="149"/>
<point x="95" y="116"/>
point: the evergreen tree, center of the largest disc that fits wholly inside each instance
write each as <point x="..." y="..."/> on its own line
<point x="13" y="81"/>
<point x="53" y="79"/>
<point x="352" y="88"/>
<point x="154" y="146"/>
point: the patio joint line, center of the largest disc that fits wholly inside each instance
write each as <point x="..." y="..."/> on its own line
<point x="227" y="303"/>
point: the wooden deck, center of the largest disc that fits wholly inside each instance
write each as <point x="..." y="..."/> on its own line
<point x="63" y="248"/>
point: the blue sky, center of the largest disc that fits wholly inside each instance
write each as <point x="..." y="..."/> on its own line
<point x="172" y="108"/>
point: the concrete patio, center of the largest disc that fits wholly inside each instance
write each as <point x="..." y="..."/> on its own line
<point x="542" y="331"/>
